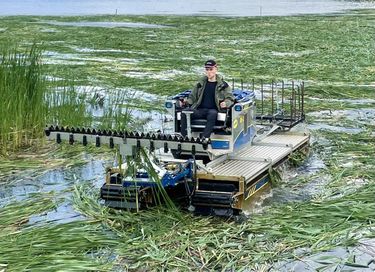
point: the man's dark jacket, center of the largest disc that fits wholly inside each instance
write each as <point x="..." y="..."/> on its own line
<point x="223" y="92"/>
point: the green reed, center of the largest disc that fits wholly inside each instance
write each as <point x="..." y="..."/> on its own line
<point x="67" y="107"/>
<point x="22" y="88"/>
<point x="28" y="101"/>
<point x="143" y="160"/>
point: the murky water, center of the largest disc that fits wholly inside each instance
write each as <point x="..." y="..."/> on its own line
<point x="178" y="7"/>
<point x="58" y="181"/>
<point x="289" y="192"/>
<point x="334" y="121"/>
<point x="359" y="258"/>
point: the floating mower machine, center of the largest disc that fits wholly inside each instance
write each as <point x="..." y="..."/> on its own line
<point x="212" y="176"/>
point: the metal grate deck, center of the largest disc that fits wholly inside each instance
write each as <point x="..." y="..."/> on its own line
<point x="271" y="153"/>
<point x="291" y="140"/>
<point x="256" y="159"/>
<point x="246" y="169"/>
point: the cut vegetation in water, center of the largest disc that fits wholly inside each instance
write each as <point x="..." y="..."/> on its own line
<point x="334" y="54"/>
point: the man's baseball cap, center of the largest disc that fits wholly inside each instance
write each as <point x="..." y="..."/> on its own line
<point x="210" y="63"/>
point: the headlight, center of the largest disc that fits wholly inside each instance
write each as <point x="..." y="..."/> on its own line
<point x="238" y="107"/>
<point x="168" y="105"/>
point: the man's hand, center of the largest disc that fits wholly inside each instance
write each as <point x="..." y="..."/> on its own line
<point x="183" y="103"/>
<point x="223" y="105"/>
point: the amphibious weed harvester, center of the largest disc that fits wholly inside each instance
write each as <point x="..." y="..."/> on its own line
<point x="215" y="175"/>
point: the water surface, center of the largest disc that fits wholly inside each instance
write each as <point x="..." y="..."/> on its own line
<point x="177" y="7"/>
<point x="104" y="24"/>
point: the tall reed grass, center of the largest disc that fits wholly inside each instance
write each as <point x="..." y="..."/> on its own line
<point x="22" y="88"/>
<point x="29" y="101"/>
<point x="66" y="107"/>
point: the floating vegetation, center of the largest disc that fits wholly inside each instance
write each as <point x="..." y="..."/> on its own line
<point x="16" y="215"/>
<point x="75" y="246"/>
<point x="35" y="161"/>
<point x="340" y="97"/>
<point x="244" y="47"/>
<point x="157" y="238"/>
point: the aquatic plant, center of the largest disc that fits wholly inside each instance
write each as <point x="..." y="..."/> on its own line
<point x="77" y="246"/>
<point x="66" y="107"/>
<point x="22" y="88"/>
<point x="156" y="238"/>
<point x="142" y="161"/>
<point x="333" y="53"/>
<point x="166" y="60"/>
<point x="16" y="214"/>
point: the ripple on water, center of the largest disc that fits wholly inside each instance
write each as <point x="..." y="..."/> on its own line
<point x="290" y="191"/>
<point x="59" y="181"/>
<point x="64" y="213"/>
